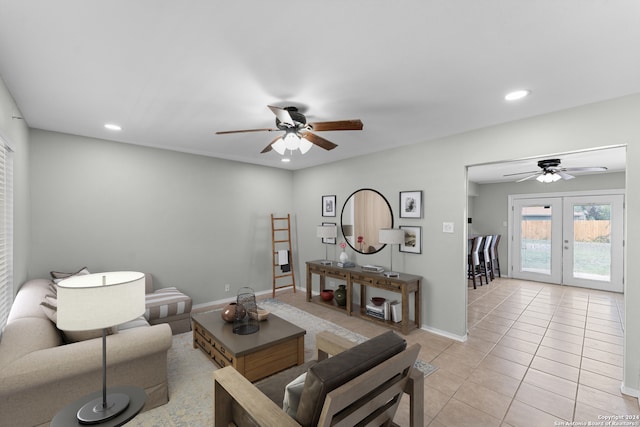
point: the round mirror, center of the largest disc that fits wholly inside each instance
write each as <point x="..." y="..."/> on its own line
<point x="364" y="213"/>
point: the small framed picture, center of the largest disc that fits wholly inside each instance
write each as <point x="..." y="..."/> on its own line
<point x="328" y="205"/>
<point x="412" y="239"/>
<point x="411" y="204"/>
<point x="329" y="240"/>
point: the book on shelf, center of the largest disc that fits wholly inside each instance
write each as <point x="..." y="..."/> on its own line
<point x="396" y="311"/>
<point x="375" y="311"/>
<point x="375" y="314"/>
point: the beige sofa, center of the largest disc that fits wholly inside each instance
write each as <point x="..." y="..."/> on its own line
<point x="40" y="374"/>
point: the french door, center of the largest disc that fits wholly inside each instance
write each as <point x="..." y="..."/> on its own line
<point x="571" y="240"/>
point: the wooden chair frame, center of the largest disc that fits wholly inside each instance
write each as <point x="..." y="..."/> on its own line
<point x="391" y="378"/>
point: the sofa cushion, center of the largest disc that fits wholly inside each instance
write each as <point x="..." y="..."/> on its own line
<point x="166" y="302"/>
<point x="24" y="336"/>
<point x="336" y="371"/>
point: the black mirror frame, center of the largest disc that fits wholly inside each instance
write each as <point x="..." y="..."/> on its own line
<point x="342" y="213"/>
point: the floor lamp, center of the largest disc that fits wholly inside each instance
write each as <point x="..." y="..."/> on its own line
<point x="100" y="301"/>
<point x="391" y="236"/>
<point x="327" y="232"/>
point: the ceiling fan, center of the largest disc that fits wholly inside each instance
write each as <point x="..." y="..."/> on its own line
<point x="297" y="132"/>
<point x="551" y="171"/>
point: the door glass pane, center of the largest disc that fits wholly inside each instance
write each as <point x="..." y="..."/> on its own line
<point x="535" y="240"/>
<point x="592" y="241"/>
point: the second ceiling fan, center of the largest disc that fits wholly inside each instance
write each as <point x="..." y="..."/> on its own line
<point x="298" y="134"/>
<point x="550" y="171"/>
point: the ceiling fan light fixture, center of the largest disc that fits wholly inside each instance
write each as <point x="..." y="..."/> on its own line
<point x="305" y="145"/>
<point x="517" y="94"/>
<point x="548" y="177"/>
<point x="291" y="141"/>
<point x="279" y="146"/>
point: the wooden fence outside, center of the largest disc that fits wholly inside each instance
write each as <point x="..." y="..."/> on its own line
<point x="584" y="231"/>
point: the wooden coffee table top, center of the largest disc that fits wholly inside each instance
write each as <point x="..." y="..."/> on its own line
<point x="272" y="331"/>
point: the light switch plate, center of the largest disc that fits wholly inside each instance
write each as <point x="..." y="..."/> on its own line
<point x="447" y="227"/>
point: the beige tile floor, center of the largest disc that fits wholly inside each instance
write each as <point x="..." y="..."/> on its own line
<point x="536" y="355"/>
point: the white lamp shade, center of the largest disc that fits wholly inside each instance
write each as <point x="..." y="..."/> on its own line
<point x="327" y="231"/>
<point x="347" y="230"/>
<point x="85" y="303"/>
<point x="279" y="146"/>
<point x="305" y="145"/>
<point x="291" y="141"/>
<point x="548" y="177"/>
<point x="391" y="236"/>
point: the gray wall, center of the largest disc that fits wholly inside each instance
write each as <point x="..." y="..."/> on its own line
<point x="193" y="222"/>
<point x="16" y="133"/>
<point x="490" y="208"/>
<point x="439" y="169"/>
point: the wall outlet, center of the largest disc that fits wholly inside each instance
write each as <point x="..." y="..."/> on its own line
<point x="227" y="287"/>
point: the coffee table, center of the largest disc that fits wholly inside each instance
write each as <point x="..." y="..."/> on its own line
<point x="278" y="345"/>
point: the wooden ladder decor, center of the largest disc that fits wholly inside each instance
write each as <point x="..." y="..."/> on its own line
<point x="281" y="241"/>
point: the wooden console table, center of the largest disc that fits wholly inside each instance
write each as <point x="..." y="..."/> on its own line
<point x="405" y="284"/>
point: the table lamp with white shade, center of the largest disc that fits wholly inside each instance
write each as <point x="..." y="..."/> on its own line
<point x="391" y="236"/>
<point x="101" y="301"/>
<point x="327" y="232"/>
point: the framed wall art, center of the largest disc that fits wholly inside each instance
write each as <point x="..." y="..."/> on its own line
<point x="328" y="205"/>
<point x="410" y="204"/>
<point x="412" y="239"/>
<point x="329" y="240"/>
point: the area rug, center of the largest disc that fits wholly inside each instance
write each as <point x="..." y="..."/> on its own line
<point x="313" y="324"/>
<point x="190" y="371"/>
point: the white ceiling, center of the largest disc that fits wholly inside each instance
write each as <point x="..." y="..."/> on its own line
<point x="172" y="73"/>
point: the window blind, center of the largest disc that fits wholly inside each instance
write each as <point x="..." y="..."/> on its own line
<point x="6" y="232"/>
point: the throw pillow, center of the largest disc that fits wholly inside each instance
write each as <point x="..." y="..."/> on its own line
<point x="50" y="307"/>
<point x="292" y="393"/>
<point x="57" y="276"/>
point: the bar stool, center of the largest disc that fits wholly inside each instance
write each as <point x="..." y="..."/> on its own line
<point x="495" y="262"/>
<point x="485" y="259"/>
<point x="473" y="261"/>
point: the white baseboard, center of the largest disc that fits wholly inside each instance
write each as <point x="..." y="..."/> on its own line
<point x="461" y="338"/>
<point x="630" y="391"/>
<point x="211" y="304"/>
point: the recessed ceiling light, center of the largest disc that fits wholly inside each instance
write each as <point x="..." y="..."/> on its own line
<point x="285" y="160"/>
<point x="517" y="94"/>
<point x="112" y="126"/>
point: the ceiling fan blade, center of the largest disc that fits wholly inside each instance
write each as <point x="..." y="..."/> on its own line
<point x="319" y="141"/>
<point x="527" y="177"/>
<point x="224" y="132"/>
<point x="587" y="169"/>
<point x="269" y="147"/>
<point x="565" y="175"/>
<point x="337" y="125"/>
<point x="282" y="114"/>
<point x="521" y="173"/>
